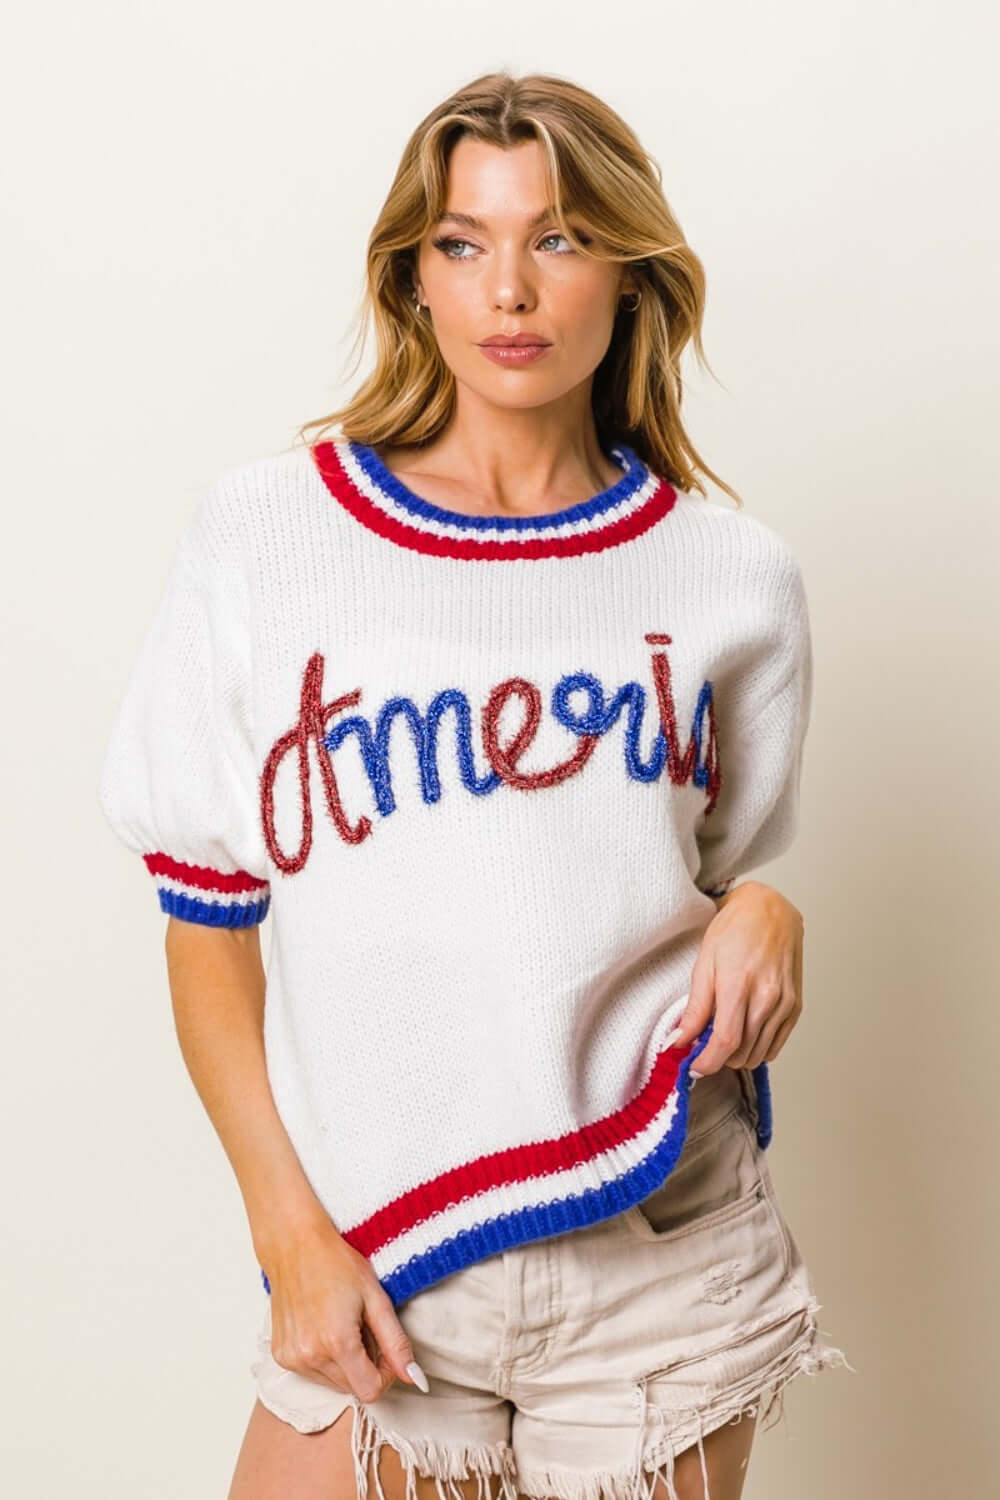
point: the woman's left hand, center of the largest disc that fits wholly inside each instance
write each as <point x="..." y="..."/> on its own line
<point x="749" y="970"/>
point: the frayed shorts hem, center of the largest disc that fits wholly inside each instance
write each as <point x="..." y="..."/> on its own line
<point x="580" y="1367"/>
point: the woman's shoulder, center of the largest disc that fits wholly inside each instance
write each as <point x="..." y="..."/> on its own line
<point x="241" y="515"/>
<point x="735" y="523"/>
<point x="249" y="497"/>
<point x="735" y="545"/>
<point x="262" y="483"/>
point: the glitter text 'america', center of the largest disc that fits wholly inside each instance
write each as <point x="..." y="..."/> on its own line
<point x="589" y="724"/>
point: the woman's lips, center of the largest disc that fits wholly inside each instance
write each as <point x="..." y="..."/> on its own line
<point x="514" y="354"/>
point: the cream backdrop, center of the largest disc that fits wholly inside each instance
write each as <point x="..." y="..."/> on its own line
<point x="187" y="192"/>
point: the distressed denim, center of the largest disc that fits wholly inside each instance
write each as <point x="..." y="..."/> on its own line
<point x="579" y="1366"/>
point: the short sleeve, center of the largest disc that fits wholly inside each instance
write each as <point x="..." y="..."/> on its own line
<point x="178" y="784"/>
<point x="760" y="749"/>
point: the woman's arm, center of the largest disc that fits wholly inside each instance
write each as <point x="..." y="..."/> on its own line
<point x="331" y="1319"/>
<point x="217" y="983"/>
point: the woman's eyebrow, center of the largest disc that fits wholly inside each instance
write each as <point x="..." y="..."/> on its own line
<point x="471" y="222"/>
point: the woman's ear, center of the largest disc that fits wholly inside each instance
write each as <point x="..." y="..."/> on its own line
<point x="630" y="281"/>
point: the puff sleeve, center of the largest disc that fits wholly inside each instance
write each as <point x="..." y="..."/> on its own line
<point x="761" y="749"/>
<point x="178" y="784"/>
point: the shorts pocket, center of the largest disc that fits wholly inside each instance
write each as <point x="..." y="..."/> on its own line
<point x="718" y="1178"/>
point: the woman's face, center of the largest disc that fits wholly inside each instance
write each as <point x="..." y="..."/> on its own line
<point x="507" y="274"/>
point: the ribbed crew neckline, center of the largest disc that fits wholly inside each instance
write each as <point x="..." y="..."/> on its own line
<point x="368" y="490"/>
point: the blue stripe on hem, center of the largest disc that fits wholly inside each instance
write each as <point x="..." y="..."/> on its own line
<point x="765" y="1114"/>
<point x="213" y="913"/>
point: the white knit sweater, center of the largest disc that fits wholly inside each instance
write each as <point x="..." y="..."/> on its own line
<point x="486" y="774"/>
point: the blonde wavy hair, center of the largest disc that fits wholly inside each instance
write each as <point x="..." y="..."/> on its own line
<point x="596" y="167"/>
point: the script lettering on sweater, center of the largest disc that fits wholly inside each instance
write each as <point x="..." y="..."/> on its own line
<point x="599" y="714"/>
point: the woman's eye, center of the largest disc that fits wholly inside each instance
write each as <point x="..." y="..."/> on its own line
<point x="556" y="235"/>
<point x="445" y="244"/>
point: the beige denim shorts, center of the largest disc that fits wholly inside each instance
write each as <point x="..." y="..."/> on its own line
<point x="581" y="1365"/>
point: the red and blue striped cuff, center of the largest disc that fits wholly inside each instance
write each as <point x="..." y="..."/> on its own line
<point x="196" y="893"/>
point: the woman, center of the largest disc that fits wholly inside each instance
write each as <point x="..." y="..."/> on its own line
<point x="499" y="1216"/>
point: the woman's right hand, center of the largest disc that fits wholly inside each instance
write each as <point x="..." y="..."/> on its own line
<point x="331" y="1318"/>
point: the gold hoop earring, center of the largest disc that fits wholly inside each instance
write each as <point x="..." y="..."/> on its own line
<point x="635" y="304"/>
<point x="417" y="303"/>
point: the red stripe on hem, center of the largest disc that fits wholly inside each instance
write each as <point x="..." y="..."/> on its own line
<point x="201" y="876"/>
<point x="518" y="1164"/>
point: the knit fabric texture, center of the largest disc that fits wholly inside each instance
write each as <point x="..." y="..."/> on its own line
<point x="486" y="775"/>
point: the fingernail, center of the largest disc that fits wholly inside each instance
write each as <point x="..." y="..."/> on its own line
<point x="417" y="1375"/>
